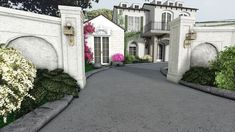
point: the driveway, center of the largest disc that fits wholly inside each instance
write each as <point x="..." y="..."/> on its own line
<point x="137" y="98"/>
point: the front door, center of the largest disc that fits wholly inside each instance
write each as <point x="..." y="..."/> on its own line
<point x="101" y="45"/>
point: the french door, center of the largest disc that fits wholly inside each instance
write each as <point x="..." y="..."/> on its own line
<point x="166" y="19"/>
<point x="101" y="45"/>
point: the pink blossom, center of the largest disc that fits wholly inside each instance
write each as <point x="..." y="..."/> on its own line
<point x="118" y="57"/>
<point x="88" y="28"/>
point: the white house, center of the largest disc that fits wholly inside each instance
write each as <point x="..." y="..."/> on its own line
<point x="151" y="20"/>
<point x="107" y="40"/>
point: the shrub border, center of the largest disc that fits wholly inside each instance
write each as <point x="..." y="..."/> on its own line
<point x="41" y="116"/>
<point x="228" y="94"/>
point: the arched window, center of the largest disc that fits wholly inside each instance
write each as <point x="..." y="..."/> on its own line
<point x="166" y="19"/>
<point x="185" y="14"/>
<point x="133" y="49"/>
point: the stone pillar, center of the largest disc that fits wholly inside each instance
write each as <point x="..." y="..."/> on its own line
<point x="155" y="48"/>
<point x="179" y="57"/>
<point x="73" y="55"/>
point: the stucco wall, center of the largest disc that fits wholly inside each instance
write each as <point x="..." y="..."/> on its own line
<point x="41" y="39"/>
<point x="180" y="58"/>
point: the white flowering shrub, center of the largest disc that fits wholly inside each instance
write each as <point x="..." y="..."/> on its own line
<point x="16" y="79"/>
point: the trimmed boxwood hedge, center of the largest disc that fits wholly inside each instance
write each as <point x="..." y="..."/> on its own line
<point x="200" y="75"/>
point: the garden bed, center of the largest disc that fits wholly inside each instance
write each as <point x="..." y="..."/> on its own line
<point x="208" y="89"/>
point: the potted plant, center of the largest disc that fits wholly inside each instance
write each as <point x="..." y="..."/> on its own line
<point x="118" y="59"/>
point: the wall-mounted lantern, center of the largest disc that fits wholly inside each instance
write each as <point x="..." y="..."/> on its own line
<point x="69" y="31"/>
<point x="192" y="35"/>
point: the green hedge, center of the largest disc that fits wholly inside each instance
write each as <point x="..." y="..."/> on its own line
<point x="224" y="66"/>
<point x="200" y="75"/>
<point x="48" y="86"/>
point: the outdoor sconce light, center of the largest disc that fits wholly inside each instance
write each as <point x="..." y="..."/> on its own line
<point x="69" y="31"/>
<point x="189" y="38"/>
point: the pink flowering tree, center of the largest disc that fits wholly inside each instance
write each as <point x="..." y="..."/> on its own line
<point x="118" y="57"/>
<point x="88" y="29"/>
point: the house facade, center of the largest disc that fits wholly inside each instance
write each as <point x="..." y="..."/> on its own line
<point x="152" y="22"/>
<point x="107" y="40"/>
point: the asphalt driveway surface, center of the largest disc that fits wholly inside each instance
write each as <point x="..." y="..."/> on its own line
<point x="137" y="98"/>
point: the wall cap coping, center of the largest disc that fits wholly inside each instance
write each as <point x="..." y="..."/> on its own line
<point x="28" y="15"/>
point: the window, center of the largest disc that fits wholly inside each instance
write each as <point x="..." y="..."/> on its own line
<point x="166" y="19"/>
<point x="185" y="14"/>
<point x="136" y="7"/>
<point x="124" y="5"/>
<point x="171" y="4"/>
<point x="120" y="11"/>
<point x="180" y="5"/>
<point x="134" y="24"/>
<point x="159" y="2"/>
<point x="133" y="49"/>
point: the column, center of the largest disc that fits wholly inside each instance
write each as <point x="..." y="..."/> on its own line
<point x="73" y="55"/>
<point x="155" y="48"/>
<point x="179" y="57"/>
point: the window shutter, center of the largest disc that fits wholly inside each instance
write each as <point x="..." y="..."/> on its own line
<point x="126" y="21"/>
<point x="142" y="24"/>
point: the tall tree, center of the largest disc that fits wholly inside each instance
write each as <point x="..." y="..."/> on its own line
<point x="48" y="7"/>
<point x="106" y="12"/>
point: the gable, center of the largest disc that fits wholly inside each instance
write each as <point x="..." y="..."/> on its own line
<point x="103" y="22"/>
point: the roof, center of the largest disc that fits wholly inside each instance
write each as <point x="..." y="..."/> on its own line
<point x="131" y="8"/>
<point x="107" y="19"/>
<point x="187" y="8"/>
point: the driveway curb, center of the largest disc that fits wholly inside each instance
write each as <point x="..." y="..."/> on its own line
<point x="35" y="120"/>
<point x="228" y="94"/>
<point x="91" y="73"/>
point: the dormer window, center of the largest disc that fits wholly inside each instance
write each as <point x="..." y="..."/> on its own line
<point x="171" y="4"/>
<point x="136" y="7"/>
<point x="159" y="2"/>
<point x="180" y="5"/>
<point x="124" y="5"/>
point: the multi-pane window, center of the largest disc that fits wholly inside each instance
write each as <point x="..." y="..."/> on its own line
<point x="124" y="5"/>
<point x="134" y="24"/>
<point x="166" y="19"/>
<point x="133" y="49"/>
<point x="136" y="7"/>
<point x="120" y="11"/>
<point x="171" y="4"/>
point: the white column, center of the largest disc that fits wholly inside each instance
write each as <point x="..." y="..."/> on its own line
<point x="179" y="57"/>
<point x="73" y="56"/>
<point x="155" y="48"/>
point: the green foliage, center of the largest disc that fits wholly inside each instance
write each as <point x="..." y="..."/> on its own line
<point x="48" y="7"/>
<point x="224" y="66"/>
<point x="94" y="13"/>
<point x="48" y="86"/>
<point x="200" y="75"/>
<point x="130" y="36"/>
<point x="88" y="67"/>
<point x="130" y="59"/>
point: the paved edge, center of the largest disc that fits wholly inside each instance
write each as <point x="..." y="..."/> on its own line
<point x="91" y="73"/>
<point x="38" y="118"/>
<point x="228" y="94"/>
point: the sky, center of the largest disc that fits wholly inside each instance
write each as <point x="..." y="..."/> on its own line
<point x="209" y="10"/>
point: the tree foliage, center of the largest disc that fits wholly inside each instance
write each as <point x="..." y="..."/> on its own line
<point x="105" y="12"/>
<point x="47" y="7"/>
